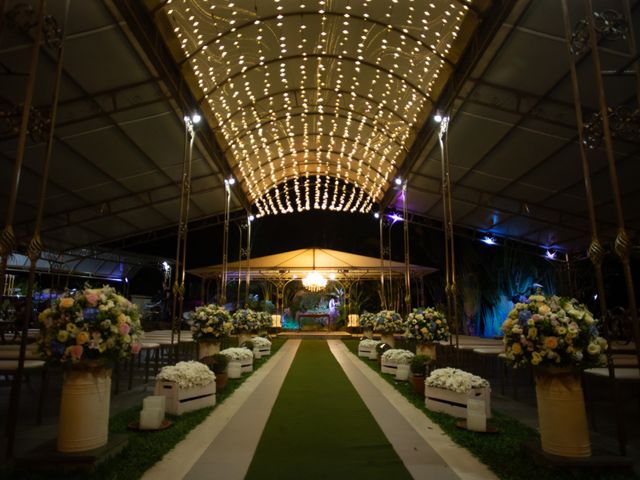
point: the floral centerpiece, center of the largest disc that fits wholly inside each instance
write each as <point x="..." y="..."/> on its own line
<point x="187" y="374"/>
<point x="264" y="320"/>
<point x="558" y="337"/>
<point x="552" y="331"/>
<point x="237" y="354"/>
<point x="82" y="331"/>
<point x="427" y="325"/>
<point x="246" y="321"/>
<point x="366" y="321"/>
<point x="387" y="322"/>
<point x="455" y="380"/>
<point x="88" y="327"/>
<point x="211" y="323"/>
<point x="397" y="356"/>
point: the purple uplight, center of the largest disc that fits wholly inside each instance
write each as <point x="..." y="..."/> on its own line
<point x="394" y="217"/>
<point x="551" y="255"/>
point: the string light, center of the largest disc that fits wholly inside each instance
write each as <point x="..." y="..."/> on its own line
<point x="317" y="102"/>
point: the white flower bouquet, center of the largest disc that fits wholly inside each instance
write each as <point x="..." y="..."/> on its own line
<point x="260" y="342"/>
<point x="387" y="321"/>
<point x="397" y="356"/>
<point x="91" y="325"/>
<point x="211" y="322"/>
<point x="237" y="354"/>
<point x="552" y="331"/>
<point x="455" y="380"/>
<point x="246" y="321"/>
<point x="368" y="343"/>
<point x="187" y="374"/>
<point x="427" y="325"/>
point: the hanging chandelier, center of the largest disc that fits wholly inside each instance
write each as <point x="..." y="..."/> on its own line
<point x="314" y="281"/>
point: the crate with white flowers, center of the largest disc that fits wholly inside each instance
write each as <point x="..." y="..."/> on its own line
<point x="394" y="357"/>
<point x="448" y="389"/>
<point x="187" y="386"/>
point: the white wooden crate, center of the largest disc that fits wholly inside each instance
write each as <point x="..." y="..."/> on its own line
<point x="265" y="351"/>
<point x="181" y="400"/>
<point x="453" y="403"/>
<point x="365" y="351"/>
<point x="246" y="365"/>
<point x="388" y="367"/>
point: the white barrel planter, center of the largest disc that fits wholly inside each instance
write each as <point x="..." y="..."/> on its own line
<point x="206" y="348"/>
<point x="454" y="403"/>
<point x="182" y="400"/>
<point x="84" y="410"/>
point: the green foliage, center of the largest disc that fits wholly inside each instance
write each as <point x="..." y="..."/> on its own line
<point x="216" y="362"/>
<point x="418" y="365"/>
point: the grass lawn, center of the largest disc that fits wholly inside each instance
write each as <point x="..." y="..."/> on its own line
<point x="320" y="428"/>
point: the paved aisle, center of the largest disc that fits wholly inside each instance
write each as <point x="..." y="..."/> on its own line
<point x="222" y="446"/>
<point x="425" y="450"/>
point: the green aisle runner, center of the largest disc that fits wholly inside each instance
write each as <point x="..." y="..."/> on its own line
<point x="320" y="428"/>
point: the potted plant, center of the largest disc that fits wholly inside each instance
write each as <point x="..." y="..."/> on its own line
<point x="211" y="323"/>
<point x="418" y="367"/>
<point x="427" y="326"/>
<point x="557" y="337"/>
<point x="218" y="364"/>
<point x="187" y="386"/>
<point x="82" y="332"/>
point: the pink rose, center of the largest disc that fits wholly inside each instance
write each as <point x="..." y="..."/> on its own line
<point x="124" y="328"/>
<point x="135" y="348"/>
<point x="92" y="299"/>
<point x="76" y="352"/>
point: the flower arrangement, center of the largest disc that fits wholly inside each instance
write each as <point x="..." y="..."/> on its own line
<point x="264" y="320"/>
<point x="552" y="331"/>
<point x="235" y="354"/>
<point x="187" y="374"/>
<point x="211" y="322"/>
<point x="260" y="342"/>
<point x="368" y="343"/>
<point x="455" y="380"/>
<point x="366" y="321"/>
<point x="246" y="321"/>
<point x="427" y="325"/>
<point x="91" y="325"/>
<point x="387" y="321"/>
<point x="398" y="356"/>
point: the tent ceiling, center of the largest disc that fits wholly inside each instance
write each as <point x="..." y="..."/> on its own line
<point x="296" y="263"/>
<point x="117" y="156"/>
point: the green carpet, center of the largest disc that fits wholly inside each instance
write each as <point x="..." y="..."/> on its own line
<point x="320" y="428"/>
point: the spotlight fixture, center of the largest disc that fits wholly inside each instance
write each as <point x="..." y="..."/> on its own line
<point x="437" y="117"/>
<point x="195" y="118"/>
<point x="488" y="240"/>
<point x="376" y="215"/>
<point x="230" y="181"/>
<point x="166" y="266"/>
<point x="398" y="181"/>
<point x="251" y="218"/>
